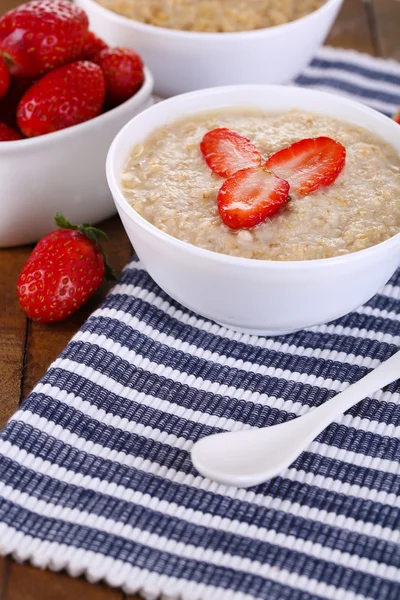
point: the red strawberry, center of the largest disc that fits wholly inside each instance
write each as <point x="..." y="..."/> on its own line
<point x="9" y="103"/>
<point x="396" y="117"/>
<point x="92" y="47"/>
<point x="4" y="78"/>
<point x="250" y="196"/>
<point x="309" y="164"/>
<point x="42" y="35"/>
<point x="67" y="96"/>
<point x="123" y="72"/>
<point x="226" y="152"/>
<point x="8" y="134"/>
<point x="63" y="271"/>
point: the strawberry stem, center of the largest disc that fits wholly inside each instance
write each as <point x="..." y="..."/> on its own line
<point x="63" y="222"/>
<point x="93" y="234"/>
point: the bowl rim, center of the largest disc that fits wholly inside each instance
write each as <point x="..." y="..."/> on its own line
<point x="202" y="253"/>
<point x="138" y="98"/>
<point x="206" y="35"/>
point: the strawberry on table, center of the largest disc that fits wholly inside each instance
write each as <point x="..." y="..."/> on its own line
<point x="64" y="97"/>
<point x="309" y="164"/>
<point x="65" y="268"/>
<point x="250" y="196"/>
<point x="42" y="35"/>
<point x="92" y="47"/>
<point x="226" y="152"/>
<point x="8" y="134"/>
<point x="123" y="73"/>
<point x="4" y="78"/>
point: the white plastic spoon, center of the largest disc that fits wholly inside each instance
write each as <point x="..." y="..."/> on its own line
<point x="250" y="457"/>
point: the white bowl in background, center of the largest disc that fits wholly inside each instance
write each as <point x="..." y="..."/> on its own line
<point x="183" y="61"/>
<point x="257" y="296"/>
<point x="61" y="172"/>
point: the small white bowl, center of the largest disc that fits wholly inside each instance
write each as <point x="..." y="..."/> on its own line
<point x="61" y="172"/>
<point x="257" y="296"/>
<point x="183" y="61"/>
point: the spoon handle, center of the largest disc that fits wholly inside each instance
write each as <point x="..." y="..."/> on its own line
<point x="387" y="372"/>
<point x="249" y="457"/>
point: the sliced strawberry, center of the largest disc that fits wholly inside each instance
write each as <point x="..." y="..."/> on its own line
<point x="250" y="196"/>
<point x="226" y="152"/>
<point x="309" y="164"/>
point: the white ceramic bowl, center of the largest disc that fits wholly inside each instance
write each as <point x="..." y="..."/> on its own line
<point x="61" y="171"/>
<point x="183" y="61"/>
<point x="257" y="296"/>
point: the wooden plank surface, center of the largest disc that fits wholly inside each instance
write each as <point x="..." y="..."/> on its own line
<point x="26" y="351"/>
<point x="3" y="579"/>
<point x="29" y="583"/>
<point x="387" y="22"/>
<point x="13" y="324"/>
<point x="352" y="29"/>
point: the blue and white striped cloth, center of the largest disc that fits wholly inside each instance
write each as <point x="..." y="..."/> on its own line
<point x="95" y="471"/>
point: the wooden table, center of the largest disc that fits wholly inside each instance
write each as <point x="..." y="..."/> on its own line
<point x="27" y="348"/>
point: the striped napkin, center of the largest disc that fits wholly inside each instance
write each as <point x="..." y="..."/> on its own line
<point x="95" y="471"/>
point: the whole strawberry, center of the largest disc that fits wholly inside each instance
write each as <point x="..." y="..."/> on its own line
<point x="67" y="96"/>
<point x="4" y="78"/>
<point x="123" y="72"/>
<point x="92" y="47"/>
<point x="66" y="267"/>
<point x="42" y="35"/>
<point x="8" y="134"/>
<point x="9" y="102"/>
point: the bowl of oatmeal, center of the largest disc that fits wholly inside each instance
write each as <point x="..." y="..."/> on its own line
<point x="321" y="255"/>
<point x="190" y="44"/>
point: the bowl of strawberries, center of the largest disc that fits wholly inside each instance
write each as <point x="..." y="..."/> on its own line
<point x="64" y="94"/>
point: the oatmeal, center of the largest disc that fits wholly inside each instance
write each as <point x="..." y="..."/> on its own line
<point x="167" y="181"/>
<point x="213" y="15"/>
